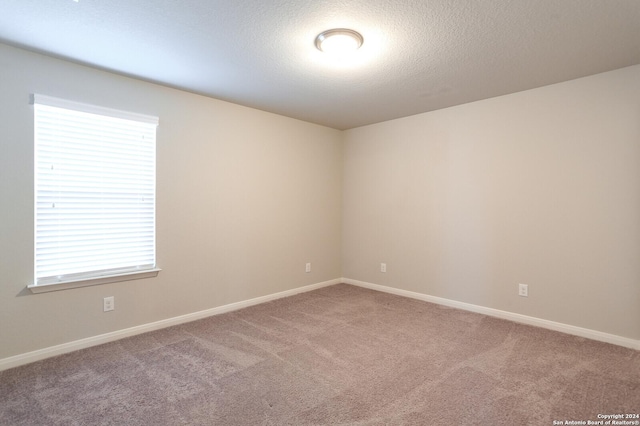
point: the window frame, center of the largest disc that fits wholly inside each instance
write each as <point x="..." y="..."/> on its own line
<point x="97" y="276"/>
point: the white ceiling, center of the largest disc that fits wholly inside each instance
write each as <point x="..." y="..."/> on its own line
<point x="417" y="56"/>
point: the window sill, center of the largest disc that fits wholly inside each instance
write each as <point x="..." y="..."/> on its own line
<point x="65" y="285"/>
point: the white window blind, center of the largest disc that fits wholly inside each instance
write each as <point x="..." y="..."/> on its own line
<point x="94" y="191"/>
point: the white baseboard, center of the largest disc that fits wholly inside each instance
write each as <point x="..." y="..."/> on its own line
<point x="29" y="357"/>
<point x="523" y="319"/>
<point x="52" y="351"/>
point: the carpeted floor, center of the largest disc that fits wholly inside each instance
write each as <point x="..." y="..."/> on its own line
<point x="340" y="355"/>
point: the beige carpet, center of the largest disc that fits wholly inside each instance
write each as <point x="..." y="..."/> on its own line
<point x="340" y="355"/>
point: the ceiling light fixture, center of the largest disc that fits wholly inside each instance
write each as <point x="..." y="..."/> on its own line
<point x="340" y="41"/>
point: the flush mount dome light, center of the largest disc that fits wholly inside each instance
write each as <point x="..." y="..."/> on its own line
<point x="339" y="41"/>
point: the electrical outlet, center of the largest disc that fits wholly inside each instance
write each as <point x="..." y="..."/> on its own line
<point x="523" y="290"/>
<point x="307" y="268"/>
<point x="109" y="304"/>
<point x="383" y="267"/>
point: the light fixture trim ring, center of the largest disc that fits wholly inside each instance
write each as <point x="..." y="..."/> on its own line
<point x="339" y="31"/>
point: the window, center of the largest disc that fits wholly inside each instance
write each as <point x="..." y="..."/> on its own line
<point x="94" y="195"/>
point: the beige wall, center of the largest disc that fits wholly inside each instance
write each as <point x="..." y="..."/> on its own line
<point x="245" y="199"/>
<point x="540" y="187"/>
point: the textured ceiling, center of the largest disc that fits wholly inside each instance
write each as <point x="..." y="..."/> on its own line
<point x="417" y="56"/>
